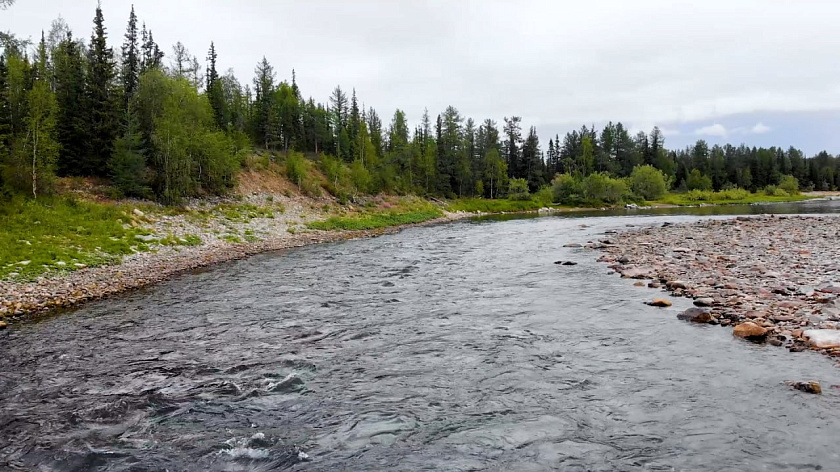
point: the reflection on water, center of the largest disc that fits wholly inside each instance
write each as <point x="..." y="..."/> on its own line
<point x="455" y="347"/>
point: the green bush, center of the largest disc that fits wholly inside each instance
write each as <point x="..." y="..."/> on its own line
<point x="544" y="196"/>
<point x="773" y="191"/>
<point x="360" y="176"/>
<point x="648" y="182"/>
<point x="698" y="181"/>
<point x="518" y="190"/>
<point x="601" y="188"/>
<point x="296" y="168"/>
<point x="789" y="184"/>
<point x="566" y="189"/>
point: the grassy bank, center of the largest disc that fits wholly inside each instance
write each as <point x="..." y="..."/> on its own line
<point x="483" y="205"/>
<point x="381" y="216"/>
<point x="62" y="234"/>
<point x="727" y="198"/>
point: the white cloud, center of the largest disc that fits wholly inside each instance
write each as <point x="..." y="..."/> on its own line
<point x="669" y="131"/>
<point x="716" y="129"/>
<point x="760" y="128"/>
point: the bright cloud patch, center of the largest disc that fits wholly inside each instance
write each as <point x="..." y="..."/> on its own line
<point x="760" y="128"/>
<point x="716" y="129"/>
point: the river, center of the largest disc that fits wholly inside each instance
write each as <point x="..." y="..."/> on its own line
<point x="452" y="347"/>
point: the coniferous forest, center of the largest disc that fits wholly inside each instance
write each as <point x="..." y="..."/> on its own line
<point x="169" y="126"/>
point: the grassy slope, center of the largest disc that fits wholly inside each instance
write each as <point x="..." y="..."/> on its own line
<point x="61" y="234"/>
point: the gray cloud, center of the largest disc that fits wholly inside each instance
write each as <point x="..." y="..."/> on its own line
<point x="557" y="64"/>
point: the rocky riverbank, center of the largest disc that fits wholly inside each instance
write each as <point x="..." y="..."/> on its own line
<point x="775" y="279"/>
<point x="258" y="234"/>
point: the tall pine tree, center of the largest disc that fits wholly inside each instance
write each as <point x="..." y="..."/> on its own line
<point x="130" y="60"/>
<point x="101" y="102"/>
<point x="69" y="72"/>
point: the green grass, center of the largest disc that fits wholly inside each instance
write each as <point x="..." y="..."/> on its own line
<point x="401" y="214"/>
<point x="63" y="234"/>
<point x="493" y="206"/>
<point x="727" y="198"/>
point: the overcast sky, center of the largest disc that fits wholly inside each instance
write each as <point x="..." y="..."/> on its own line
<point x="762" y="72"/>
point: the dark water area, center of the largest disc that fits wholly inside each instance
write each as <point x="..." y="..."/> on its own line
<point x="453" y="347"/>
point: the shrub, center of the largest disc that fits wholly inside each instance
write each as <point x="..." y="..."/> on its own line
<point x="601" y="188"/>
<point x="698" y="181"/>
<point x="773" y="191"/>
<point x="296" y="168"/>
<point x="648" y="182"/>
<point x="360" y="176"/>
<point x="566" y="189"/>
<point x="789" y="184"/>
<point x="544" y="196"/>
<point x="733" y="194"/>
<point x="518" y="189"/>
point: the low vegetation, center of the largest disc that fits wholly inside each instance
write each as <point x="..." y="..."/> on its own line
<point x="729" y="197"/>
<point x="62" y="234"/>
<point x="416" y="211"/>
<point x="499" y="205"/>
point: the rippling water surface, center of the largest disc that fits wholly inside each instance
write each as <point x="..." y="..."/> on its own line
<point x="454" y="347"/>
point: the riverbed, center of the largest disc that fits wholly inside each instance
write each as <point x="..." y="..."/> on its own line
<point x="453" y="347"/>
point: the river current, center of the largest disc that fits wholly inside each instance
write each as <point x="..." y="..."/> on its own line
<point x="451" y="347"/>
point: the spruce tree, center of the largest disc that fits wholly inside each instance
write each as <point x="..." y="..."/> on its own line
<point x="263" y="121"/>
<point x="69" y="72"/>
<point x="127" y="166"/>
<point x="215" y="93"/>
<point x="101" y="102"/>
<point x="131" y="60"/>
<point x="152" y="56"/>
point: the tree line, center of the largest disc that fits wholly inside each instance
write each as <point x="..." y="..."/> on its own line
<point x="168" y="127"/>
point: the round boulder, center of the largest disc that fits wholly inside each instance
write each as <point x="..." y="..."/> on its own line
<point x="750" y="331"/>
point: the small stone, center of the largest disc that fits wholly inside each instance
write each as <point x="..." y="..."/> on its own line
<point x="696" y="315"/>
<point x="572" y="245"/>
<point x="139" y="213"/>
<point x="704" y="302"/>
<point x="3" y="325"/>
<point x="659" y="302"/>
<point x="807" y="387"/>
<point x="676" y="284"/>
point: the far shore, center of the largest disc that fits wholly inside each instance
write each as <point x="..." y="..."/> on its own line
<point x="49" y="293"/>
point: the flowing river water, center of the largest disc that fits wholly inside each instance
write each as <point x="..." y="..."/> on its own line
<point x="452" y="347"/>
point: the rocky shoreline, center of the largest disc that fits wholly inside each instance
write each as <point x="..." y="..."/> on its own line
<point x="49" y="294"/>
<point x="775" y="279"/>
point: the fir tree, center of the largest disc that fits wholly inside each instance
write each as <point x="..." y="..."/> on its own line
<point x="69" y="72"/>
<point x="131" y="60"/>
<point x="101" y="101"/>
